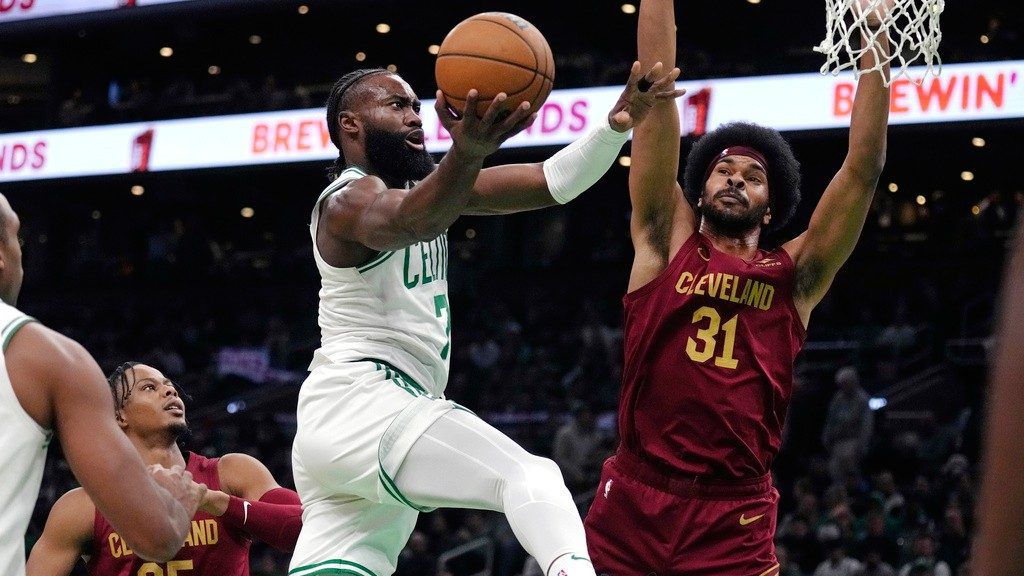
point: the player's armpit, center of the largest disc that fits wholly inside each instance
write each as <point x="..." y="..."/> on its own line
<point x="68" y="531"/>
<point x="831" y="236"/>
<point x="101" y="457"/>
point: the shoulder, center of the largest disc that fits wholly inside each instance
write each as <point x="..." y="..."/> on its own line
<point x="355" y="193"/>
<point x="244" y="476"/>
<point x="73" y="516"/>
<point x="43" y="348"/>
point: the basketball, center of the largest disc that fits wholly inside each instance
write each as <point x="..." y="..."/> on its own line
<point x="495" y="52"/>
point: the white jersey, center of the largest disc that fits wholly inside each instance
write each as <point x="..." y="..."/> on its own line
<point x="24" y="445"/>
<point x="393" y="308"/>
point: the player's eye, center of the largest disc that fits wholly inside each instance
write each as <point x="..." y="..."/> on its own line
<point x="723" y="171"/>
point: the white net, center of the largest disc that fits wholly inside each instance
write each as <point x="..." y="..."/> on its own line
<point x="912" y="27"/>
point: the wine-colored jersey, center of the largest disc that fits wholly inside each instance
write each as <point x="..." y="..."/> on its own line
<point x="211" y="548"/>
<point x="709" y="351"/>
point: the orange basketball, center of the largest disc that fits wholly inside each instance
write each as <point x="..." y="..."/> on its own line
<point x="495" y="52"/>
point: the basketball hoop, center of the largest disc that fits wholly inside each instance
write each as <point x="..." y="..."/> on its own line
<point x="912" y="27"/>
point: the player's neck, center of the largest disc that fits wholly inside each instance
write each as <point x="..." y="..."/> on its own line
<point x="743" y="245"/>
<point x="159" y="449"/>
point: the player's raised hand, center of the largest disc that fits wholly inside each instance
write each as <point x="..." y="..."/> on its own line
<point x="482" y="136"/>
<point x="179" y="483"/>
<point x="641" y="94"/>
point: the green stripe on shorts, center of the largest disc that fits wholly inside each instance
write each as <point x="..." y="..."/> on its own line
<point x="332" y="567"/>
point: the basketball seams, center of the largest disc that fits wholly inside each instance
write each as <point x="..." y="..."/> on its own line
<point x="519" y="33"/>
<point x="541" y="70"/>
<point x="492" y="59"/>
<point x="518" y="90"/>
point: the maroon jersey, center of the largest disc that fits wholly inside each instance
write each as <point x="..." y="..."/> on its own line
<point x="211" y="548"/>
<point x="709" y="350"/>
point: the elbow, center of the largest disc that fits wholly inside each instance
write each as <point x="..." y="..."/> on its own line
<point x="868" y="168"/>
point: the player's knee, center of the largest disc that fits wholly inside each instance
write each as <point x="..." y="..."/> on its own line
<point x="543" y="476"/>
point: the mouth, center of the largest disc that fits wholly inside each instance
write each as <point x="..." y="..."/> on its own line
<point x="729" y="197"/>
<point x="415" y="140"/>
<point x="175" y="407"/>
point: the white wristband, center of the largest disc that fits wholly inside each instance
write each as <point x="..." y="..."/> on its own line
<point x="578" y="166"/>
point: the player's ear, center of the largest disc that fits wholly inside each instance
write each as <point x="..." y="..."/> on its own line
<point x="121" y="422"/>
<point x="348" y="122"/>
<point x="767" y="218"/>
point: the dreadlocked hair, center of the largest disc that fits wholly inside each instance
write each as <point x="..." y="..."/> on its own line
<point x="120" y="387"/>
<point x="783" y="167"/>
<point x="338" y="101"/>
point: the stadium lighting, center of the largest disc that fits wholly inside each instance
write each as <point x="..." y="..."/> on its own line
<point x="29" y="58"/>
<point x="383" y="28"/>
<point x="167" y="51"/>
<point x="470" y="233"/>
<point x="255" y="39"/>
<point x="754" y="1"/>
<point x="984" y="38"/>
<point x="213" y="70"/>
<point x="625" y="160"/>
<point x="967" y="175"/>
<point x="433" y="49"/>
<point x="138" y="190"/>
<point x="392" y="68"/>
<point x="628" y="9"/>
<point x="96" y="215"/>
<point x="921" y="200"/>
<point x="303" y="9"/>
<point x="877" y="403"/>
<point x="976" y="210"/>
<point x="893" y="187"/>
<point x="978" y="142"/>
<point x="248" y="212"/>
<point x="360" y="56"/>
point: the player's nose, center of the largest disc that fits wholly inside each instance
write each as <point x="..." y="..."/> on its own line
<point x="413" y="119"/>
<point x="736" y="182"/>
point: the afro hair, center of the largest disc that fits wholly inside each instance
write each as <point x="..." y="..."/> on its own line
<point x="783" y="167"/>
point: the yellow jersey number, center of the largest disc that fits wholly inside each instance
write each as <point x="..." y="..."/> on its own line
<point x="703" y="350"/>
<point x="174" y="567"/>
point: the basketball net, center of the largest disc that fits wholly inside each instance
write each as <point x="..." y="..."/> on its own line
<point x="912" y="27"/>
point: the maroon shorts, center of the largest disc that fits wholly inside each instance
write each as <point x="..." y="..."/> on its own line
<point x="645" y="522"/>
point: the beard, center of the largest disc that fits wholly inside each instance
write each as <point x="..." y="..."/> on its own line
<point x="179" y="431"/>
<point x="393" y="160"/>
<point x="733" y="222"/>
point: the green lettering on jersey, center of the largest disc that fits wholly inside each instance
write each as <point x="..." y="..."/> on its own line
<point x="415" y="279"/>
<point x="427" y="260"/>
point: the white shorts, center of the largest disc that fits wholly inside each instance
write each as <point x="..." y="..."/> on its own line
<point x="356" y="423"/>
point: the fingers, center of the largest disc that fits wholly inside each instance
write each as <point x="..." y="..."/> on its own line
<point x="523" y="123"/>
<point x="664" y="87"/>
<point x="497" y="107"/>
<point x="634" y="74"/>
<point x="649" y="79"/>
<point x="469" y="117"/>
<point x="669" y="95"/>
<point x="444" y="112"/>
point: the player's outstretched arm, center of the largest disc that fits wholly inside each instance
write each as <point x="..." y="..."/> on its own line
<point x="661" y="220"/>
<point x="368" y="213"/>
<point x="999" y="549"/>
<point x="251" y="500"/>
<point x="152" y="513"/>
<point x="66" y="536"/>
<point x="838" y="219"/>
<point x="578" y="166"/>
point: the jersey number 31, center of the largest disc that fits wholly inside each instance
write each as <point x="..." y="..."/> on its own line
<point x="703" y="350"/>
